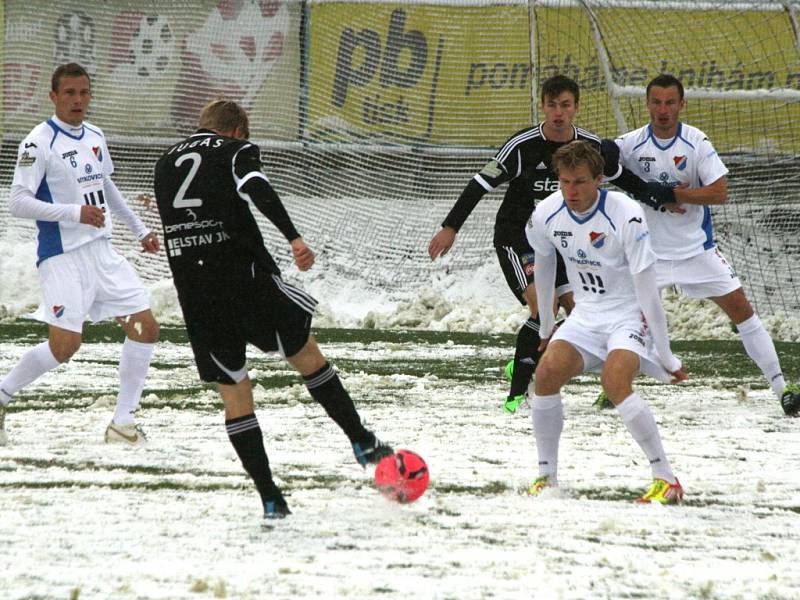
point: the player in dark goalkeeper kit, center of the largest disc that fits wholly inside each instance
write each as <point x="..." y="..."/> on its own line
<point x="230" y="288"/>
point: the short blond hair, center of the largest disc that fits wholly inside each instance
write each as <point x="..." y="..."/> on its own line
<point x="225" y="115"/>
<point x="576" y="153"/>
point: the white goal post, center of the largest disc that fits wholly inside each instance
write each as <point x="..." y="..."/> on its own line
<point x="372" y="116"/>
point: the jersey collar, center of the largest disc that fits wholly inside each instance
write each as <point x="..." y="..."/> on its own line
<point x="544" y="137"/>
<point x="671" y="142"/>
<point x="76" y="133"/>
<point x="599" y="205"/>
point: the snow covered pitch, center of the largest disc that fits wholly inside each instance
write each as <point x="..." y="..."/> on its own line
<point x="179" y="519"/>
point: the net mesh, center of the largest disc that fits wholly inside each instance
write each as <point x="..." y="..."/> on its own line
<point x="373" y="116"/>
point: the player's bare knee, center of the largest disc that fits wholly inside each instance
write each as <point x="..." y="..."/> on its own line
<point x="151" y="331"/>
<point x="548" y="377"/>
<point x="64" y="348"/>
<point x="308" y="359"/>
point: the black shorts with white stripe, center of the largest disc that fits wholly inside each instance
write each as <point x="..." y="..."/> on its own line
<point x="226" y="311"/>
<point x="518" y="268"/>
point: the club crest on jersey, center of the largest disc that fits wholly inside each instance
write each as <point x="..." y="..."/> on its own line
<point x="58" y="311"/>
<point x="680" y="162"/>
<point x="98" y="152"/>
<point x="597" y="239"/>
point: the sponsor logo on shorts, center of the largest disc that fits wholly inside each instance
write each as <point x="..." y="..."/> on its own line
<point x="636" y="337"/>
<point x="680" y="162"/>
<point x="528" y="259"/>
<point x="597" y="239"/>
<point x="58" y="310"/>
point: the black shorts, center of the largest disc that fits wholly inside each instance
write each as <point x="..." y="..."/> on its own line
<point x="517" y="266"/>
<point x="225" y="309"/>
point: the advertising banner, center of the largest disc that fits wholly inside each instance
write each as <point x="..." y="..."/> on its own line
<point x="155" y="64"/>
<point x="417" y="73"/>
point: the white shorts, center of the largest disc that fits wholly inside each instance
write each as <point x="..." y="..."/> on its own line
<point x="594" y="345"/>
<point x="707" y="275"/>
<point x="92" y="280"/>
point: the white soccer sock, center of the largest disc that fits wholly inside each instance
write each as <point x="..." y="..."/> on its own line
<point x="34" y="363"/>
<point x="759" y="346"/>
<point x="642" y="426"/>
<point x="133" y="365"/>
<point x="548" y="422"/>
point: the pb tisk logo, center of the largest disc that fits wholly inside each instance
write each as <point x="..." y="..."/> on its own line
<point x="597" y="239"/>
<point x="58" y="311"/>
<point x="680" y="162"/>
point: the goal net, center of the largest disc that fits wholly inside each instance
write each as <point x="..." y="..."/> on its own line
<point x="372" y="116"/>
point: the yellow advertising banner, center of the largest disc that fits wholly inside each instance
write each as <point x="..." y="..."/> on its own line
<point x="462" y="75"/>
<point x="411" y="73"/>
<point x="751" y="51"/>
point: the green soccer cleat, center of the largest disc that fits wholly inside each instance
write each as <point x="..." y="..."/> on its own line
<point x="790" y="400"/>
<point x="603" y="401"/>
<point x="509" y="370"/>
<point x="663" y="492"/>
<point x="539" y="484"/>
<point x="512" y="403"/>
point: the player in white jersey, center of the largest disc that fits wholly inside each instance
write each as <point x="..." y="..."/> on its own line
<point x="682" y="157"/>
<point x="63" y="181"/>
<point x="618" y="322"/>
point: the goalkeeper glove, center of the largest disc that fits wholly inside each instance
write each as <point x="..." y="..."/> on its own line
<point x="655" y="195"/>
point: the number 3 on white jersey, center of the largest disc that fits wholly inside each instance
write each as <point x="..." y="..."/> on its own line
<point x="180" y="201"/>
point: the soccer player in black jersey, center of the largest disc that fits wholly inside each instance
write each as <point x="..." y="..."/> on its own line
<point x="524" y="162"/>
<point x="230" y="288"/>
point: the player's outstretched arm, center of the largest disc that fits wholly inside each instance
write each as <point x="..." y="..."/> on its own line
<point x="441" y="243"/>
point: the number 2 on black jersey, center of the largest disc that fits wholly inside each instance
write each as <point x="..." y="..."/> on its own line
<point x="180" y="201"/>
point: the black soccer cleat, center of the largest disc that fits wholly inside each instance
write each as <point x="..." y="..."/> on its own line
<point x="371" y="450"/>
<point x="790" y="400"/>
<point x="276" y="509"/>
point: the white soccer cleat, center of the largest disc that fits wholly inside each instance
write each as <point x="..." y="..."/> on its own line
<point x="3" y="434"/>
<point x="125" y="434"/>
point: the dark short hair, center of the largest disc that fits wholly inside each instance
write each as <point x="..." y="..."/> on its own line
<point x="666" y="80"/>
<point x="558" y="84"/>
<point x="225" y="115"/>
<point x="576" y="153"/>
<point x="67" y="70"/>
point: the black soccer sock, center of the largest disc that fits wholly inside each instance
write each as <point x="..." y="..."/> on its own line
<point x="326" y="388"/>
<point x="245" y="435"/>
<point x="525" y="357"/>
